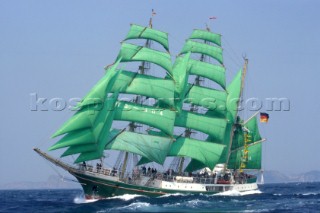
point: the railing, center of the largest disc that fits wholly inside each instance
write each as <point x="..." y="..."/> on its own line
<point x="135" y="176"/>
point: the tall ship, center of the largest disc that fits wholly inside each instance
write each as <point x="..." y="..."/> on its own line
<point x="174" y="128"/>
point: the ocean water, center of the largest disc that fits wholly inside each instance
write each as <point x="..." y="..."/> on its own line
<point x="291" y="197"/>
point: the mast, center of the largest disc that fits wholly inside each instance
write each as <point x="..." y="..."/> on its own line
<point x="235" y="123"/>
<point x="197" y="82"/>
<point x="245" y="66"/>
<point x="96" y="126"/>
<point x="142" y="70"/>
<point x="252" y="116"/>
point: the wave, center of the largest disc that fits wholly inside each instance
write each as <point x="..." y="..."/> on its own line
<point x="134" y="206"/>
<point x="196" y="203"/>
<point x="126" y="197"/>
<point x="173" y="195"/>
<point x="307" y="194"/>
<point x="237" y="193"/>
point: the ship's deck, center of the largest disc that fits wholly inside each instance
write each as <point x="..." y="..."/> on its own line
<point x="137" y="175"/>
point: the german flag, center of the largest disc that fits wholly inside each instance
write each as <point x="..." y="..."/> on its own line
<point x="264" y="117"/>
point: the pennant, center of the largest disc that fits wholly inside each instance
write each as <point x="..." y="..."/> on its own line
<point x="153" y="12"/>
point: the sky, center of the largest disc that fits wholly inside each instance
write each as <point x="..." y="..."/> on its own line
<point x="51" y="49"/>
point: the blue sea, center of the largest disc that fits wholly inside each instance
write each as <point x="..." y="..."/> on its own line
<point x="291" y="197"/>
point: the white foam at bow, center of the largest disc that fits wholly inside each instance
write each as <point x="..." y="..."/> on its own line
<point x="81" y="199"/>
<point x="126" y="197"/>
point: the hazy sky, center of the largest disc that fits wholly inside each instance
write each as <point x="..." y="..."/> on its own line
<point x="59" y="49"/>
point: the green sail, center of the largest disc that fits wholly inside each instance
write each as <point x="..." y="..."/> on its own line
<point x="238" y="137"/>
<point x="139" y="32"/>
<point x="215" y="127"/>
<point x="91" y="104"/>
<point x="86" y="156"/>
<point x="82" y="119"/>
<point x="143" y="160"/>
<point x="131" y="52"/>
<point x="197" y="47"/>
<point x="180" y="75"/>
<point x="254" y="143"/>
<point x="86" y="116"/>
<point x="98" y="93"/>
<point x="252" y="126"/>
<point x="205" y="152"/>
<point x="77" y="137"/>
<point x="139" y="84"/>
<point x="211" y="99"/>
<point x="97" y="134"/>
<point x="101" y="129"/>
<point x="234" y="92"/>
<point x="151" y="147"/>
<point x="226" y="141"/>
<point x="78" y="148"/>
<point x="254" y="157"/>
<point x="162" y="119"/>
<point x="194" y="165"/>
<point x="207" y="36"/>
<point x="213" y="72"/>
